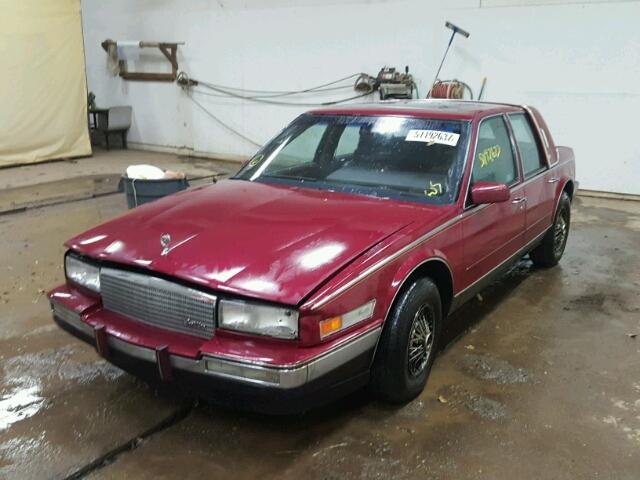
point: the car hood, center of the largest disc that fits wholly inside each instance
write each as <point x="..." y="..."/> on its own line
<point x="273" y="242"/>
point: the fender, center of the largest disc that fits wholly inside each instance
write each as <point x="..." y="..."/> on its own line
<point x="407" y="269"/>
<point x="565" y="169"/>
<point x="561" y="186"/>
<point x="402" y="276"/>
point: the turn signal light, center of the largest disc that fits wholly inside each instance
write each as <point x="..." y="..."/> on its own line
<point x="330" y="325"/>
<point x="335" y="324"/>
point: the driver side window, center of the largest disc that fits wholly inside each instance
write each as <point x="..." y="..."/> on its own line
<point x="494" y="160"/>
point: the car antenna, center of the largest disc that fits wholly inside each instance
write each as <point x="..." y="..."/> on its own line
<point x="455" y="29"/>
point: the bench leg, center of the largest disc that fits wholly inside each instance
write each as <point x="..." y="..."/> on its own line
<point x="106" y="139"/>
<point x="124" y="139"/>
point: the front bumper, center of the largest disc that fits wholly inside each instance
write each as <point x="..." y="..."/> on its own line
<point x="276" y="389"/>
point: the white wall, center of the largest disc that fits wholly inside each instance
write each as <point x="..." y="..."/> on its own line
<point x="577" y="62"/>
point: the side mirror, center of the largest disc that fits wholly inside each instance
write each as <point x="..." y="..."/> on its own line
<point x="489" y="192"/>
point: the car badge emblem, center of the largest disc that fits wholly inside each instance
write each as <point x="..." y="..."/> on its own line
<point x="165" y="240"/>
<point x="194" y="324"/>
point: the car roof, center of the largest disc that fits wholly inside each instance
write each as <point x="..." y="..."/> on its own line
<point x="458" y="109"/>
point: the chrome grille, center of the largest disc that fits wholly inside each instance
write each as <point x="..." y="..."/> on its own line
<point x="158" y="302"/>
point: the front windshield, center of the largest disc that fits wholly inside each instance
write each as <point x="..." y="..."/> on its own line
<point x="417" y="158"/>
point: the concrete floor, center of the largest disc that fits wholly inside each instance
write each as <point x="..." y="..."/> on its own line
<point x="539" y="378"/>
<point x="60" y="181"/>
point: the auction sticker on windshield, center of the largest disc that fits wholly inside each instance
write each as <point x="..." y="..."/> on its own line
<point x="433" y="136"/>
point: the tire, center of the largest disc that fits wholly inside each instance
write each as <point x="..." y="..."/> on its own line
<point x="550" y="250"/>
<point x="394" y="378"/>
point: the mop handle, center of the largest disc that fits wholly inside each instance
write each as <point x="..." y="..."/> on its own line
<point x="455" y="29"/>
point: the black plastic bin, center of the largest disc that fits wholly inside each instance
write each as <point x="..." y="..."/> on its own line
<point x="139" y="191"/>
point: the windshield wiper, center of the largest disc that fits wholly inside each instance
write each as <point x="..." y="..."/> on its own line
<point x="385" y="188"/>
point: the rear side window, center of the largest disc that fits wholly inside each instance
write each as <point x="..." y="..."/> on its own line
<point x="494" y="160"/>
<point x="532" y="161"/>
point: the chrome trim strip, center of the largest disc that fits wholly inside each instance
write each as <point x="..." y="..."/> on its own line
<point x="70" y="317"/>
<point x="342" y="354"/>
<point x="288" y="376"/>
<point x="473" y="209"/>
<point x="543" y="135"/>
<point x="516" y="254"/>
<point x="384" y="261"/>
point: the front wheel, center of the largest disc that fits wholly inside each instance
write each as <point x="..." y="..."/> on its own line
<point x="408" y="344"/>
<point x="550" y="250"/>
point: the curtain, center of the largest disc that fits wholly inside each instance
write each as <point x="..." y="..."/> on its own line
<point x="43" y="97"/>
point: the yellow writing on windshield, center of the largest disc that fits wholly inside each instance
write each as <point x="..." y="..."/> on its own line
<point x="434" y="189"/>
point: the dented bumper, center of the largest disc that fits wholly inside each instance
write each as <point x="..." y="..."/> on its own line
<point x="280" y="387"/>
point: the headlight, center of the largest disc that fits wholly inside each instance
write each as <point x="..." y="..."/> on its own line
<point x="261" y="319"/>
<point x="82" y="273"/>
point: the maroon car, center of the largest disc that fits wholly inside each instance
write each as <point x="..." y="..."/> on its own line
<point x="330" y="261"/>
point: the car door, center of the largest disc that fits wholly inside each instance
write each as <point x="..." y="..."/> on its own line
<point x="495" y="232"/>
<point x="539" y="185"/>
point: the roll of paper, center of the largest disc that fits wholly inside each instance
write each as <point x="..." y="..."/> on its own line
<point x="128" y="50"/>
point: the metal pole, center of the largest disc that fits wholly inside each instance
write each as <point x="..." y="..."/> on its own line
<point x="484" y="82"/>
<point x="435" y="79"/>
<point x="455" y="29"/>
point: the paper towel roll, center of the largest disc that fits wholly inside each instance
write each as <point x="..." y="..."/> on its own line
<point x="128" y="50"/>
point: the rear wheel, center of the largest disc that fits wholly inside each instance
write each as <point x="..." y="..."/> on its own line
<point x="408" y="344"/>
<point x="551" y="249"/>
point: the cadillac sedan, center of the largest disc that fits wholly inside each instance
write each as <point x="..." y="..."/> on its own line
<point x="330" y="261"/>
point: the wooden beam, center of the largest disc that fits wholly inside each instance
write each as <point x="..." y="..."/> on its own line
<point x="149" y="77"/>
<point x="168" y="49"/>
<point x="170" y="53"/>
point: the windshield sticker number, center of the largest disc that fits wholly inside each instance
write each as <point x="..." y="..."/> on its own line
<point x="435" y="189"/>
<point x="489" y="155"/>
<point x="433" y="136"/>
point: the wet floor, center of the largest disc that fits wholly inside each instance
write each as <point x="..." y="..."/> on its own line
<point x="539" y="377"/>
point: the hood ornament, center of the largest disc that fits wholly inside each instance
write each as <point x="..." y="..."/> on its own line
<point x="165" y="240"/>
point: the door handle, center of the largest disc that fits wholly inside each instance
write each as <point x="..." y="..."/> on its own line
<point x="553" y="180"/>
<point x="519" y="200"/>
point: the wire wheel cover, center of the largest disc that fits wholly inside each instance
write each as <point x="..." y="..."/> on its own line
<point x="560" y="233"/>
<point x="420" y="341"/>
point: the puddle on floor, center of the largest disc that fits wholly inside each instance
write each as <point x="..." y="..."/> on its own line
<point x="23" y="400"/>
